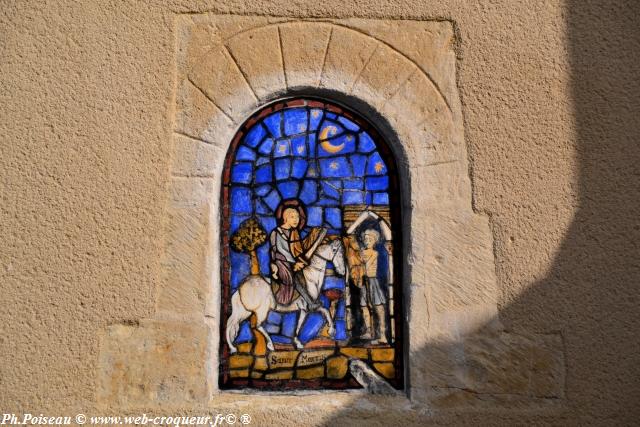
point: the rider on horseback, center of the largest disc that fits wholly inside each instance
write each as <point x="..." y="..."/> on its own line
<point x="290" y="253"/>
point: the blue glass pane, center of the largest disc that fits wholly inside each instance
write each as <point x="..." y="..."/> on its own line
<point x="335" y="167"/>
<point x="352" y="197"/>
<point x="245" y="153"/>
<point x="289" y="324"/>
<point x="315" y="117"/>
<point x="359" y="163"/>
<point x="273" y="124"/>
<point x="263" y="190"/>
<point x="380" y="199"/>
<point x="263" y="174"/>
<point x="333" y="217"/>
<point x="366" y="144"/>
<point x="324" y="201"/>
<point x="343" y="144"/>
<point x="299" y="168"/>
<point x="341" y="330"/>
<point x="295" y="121"/>
<point x="282" y="168"/>
<point x="240" y="200"/>
<point x="262" y="161"/>
<point x="255" y="135"/>
<point x="288" y="189"/>
<point x="239" y="268"/>
<point x="274" y="317"/>
<point x="340" y="310"/>
<point x="348" y="124"/>
<point x="242" y="173"/>
<point x="272" y="329"/>
<point x="353" y="184"/>
<point x="309" y="192"/>
<point x="244" y="335"/>
<point x="262" y="208"/>
<point x="283" y="148"/>
<point x="314" y="216"/>
<point x="299" y="145"/>
<point x="311" y="327"/>
<point x="375" y="165"/>
<point x="331" y="189"/>
<point x="279" y="339"/>
<point x="272" y="200"/>
<point x="377" y="183"/>
<point x="312" y="171"/>
<point x="266" y="146"/>
<point x="368" y="198"/>
<point x="236" y="220"/>
<point x="264" y="259"/>
<point x="333" y="282"/>
<point x="268" y="222"/>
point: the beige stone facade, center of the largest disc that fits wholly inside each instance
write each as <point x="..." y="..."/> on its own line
<point x="112" y="260"/>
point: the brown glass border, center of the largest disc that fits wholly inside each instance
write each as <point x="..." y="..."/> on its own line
<point x="225" y="380"/>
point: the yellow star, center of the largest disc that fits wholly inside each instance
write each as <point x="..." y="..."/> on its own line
<point x="333" y="165"/>
<point x="301" y="149"/>
<point x="378" y="167"/>
<point x="282" y="148"/>
<point x="302" y="127"/>
<point x="312" y="172"/>
<point x="315" y="114"/>
<point x="349" y="137"/>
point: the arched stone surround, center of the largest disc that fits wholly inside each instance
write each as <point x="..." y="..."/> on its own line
<point x="402" y="76"/>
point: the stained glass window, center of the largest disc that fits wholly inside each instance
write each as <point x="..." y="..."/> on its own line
<point x="311" y="288"/>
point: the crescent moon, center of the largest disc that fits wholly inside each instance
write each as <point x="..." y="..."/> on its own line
<point x="324" y="142"/>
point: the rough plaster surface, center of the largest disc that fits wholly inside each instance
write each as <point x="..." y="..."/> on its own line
<point x="549" y="96"/>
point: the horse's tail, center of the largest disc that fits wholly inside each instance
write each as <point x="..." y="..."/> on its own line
<point x="233" y="322"/>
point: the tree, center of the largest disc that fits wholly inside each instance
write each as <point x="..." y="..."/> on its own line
<point x="249" y="236"/>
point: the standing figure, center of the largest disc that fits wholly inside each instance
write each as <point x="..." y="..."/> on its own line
<point x="372" y="295"/>
<point x="290" y="254"/>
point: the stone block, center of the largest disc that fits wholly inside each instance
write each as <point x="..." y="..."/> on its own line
<point x="186" y="264"/>
<point x="258" y="55"/>
<point x="460" y="269"/>
<point x="304" y="46"/>
<point x="358" y="353"/>
<point x="347" y="54"/>
<point x="245" y="347"/>
<point x="200" y="118"/>
<point x="239" y="373"/>
<point x="194" y="158"/>
<point x="260" y="364"/>
<point x="382" y="354"/>
<point x="383" y="76"/>
<point x="130" y="357"/>
<point x="337" y="367"/>
<point x="429" y="45"/>
<point x="237" y="361"/>
<point x="498" y="363"/>
<point x="310" y="373"/>
<point x="218" y="76"/>
<point x="282" y="375"/>
<point x="387" y="370"/>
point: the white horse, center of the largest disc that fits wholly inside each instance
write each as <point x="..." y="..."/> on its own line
<point x="254" y="295"/>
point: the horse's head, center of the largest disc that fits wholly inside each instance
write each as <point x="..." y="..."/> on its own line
<point x="335" y="254"/>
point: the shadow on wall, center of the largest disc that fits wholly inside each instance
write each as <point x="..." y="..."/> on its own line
<point x="591" y="294"/>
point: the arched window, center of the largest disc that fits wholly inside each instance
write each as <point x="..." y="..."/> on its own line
<point x="311" y="240"/>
